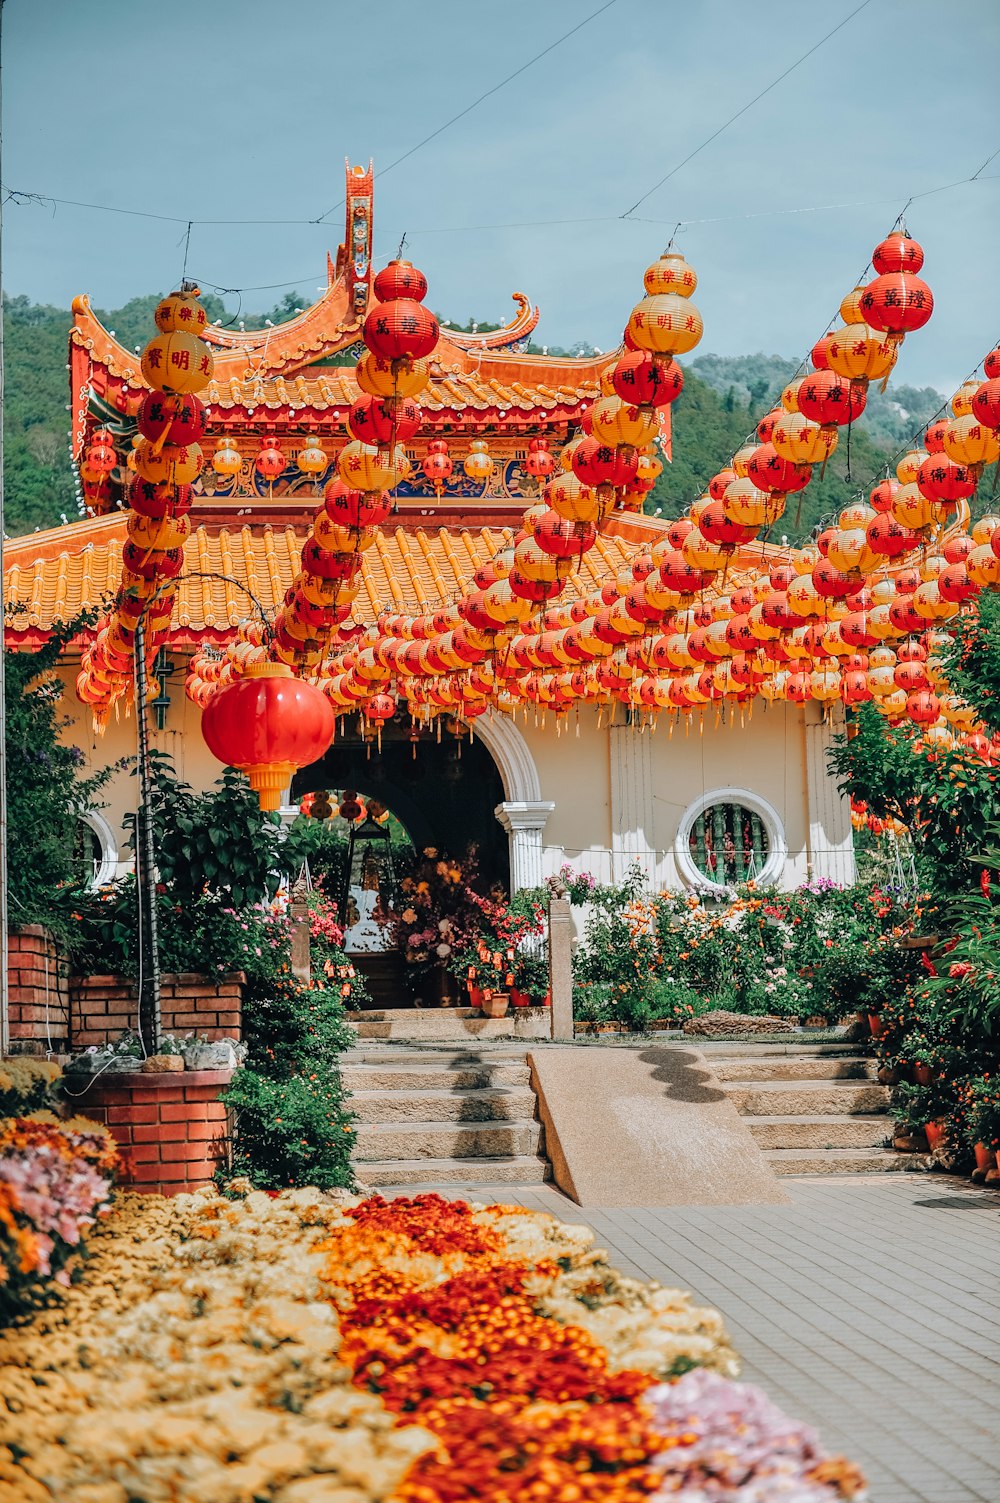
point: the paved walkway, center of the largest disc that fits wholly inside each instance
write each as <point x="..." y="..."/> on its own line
<point x="869" y="1308"/>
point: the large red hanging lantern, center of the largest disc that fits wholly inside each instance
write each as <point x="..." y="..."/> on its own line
<point x="828" y="398"/>
<point x="897" y="303"/>
<point x="268" y="724"/>
<point x="401" y="330"/>
<point x="647" y="379"/>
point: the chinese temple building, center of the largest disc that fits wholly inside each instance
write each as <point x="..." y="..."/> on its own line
<point x="731" y="796"/>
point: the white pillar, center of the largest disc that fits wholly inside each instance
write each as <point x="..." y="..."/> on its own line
<point x="524" y="820"/>
<point x="831" y="838"/>
<point x="631" y="802"/>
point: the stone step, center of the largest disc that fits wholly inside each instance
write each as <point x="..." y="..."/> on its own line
<point x="436" y="1056"/>
<point x="804" y="1098"/>
<point x="429" y="1077"/>
<point x="368" y="1030"/>
<point x="428" y="1174"/>
<point x="730" y="1049"/>
<point x="820" y="1132"/>
<point x="492" y="1104"/>
<point x="825" y="1067"/>
<point x="785" y="1161"/>
<point x="380" y="1141"/>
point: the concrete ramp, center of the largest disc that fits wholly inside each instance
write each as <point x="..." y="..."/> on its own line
<point x="646" y="1127"/>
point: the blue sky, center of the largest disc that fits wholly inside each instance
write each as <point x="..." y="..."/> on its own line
<point x="244" y="109"/>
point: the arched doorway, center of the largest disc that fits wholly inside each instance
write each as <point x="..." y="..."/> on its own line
<point x="445" y="792"/>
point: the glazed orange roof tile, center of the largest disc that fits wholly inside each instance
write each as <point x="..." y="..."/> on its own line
<point x="54" y="576"/>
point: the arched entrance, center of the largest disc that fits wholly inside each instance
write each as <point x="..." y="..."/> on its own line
<point x="446" y="793"/>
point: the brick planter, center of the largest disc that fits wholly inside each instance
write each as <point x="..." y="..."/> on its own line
<point x="39" y="992"/>
<point x="170" y="1128"/>
<point x="102" y="1006"/>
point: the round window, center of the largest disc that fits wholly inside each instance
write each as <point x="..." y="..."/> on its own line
<point x="729" y="837"/>
<point x="729" y="843"/>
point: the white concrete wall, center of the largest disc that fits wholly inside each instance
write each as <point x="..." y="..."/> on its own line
<point x="619" y="794"/>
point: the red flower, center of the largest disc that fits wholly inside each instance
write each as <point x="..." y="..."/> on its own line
<point x="984" y="882"/>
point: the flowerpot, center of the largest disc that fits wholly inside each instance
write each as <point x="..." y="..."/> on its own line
<point x="935" y="1134"/>
<point x="876" y="1025"/>
<point x="887" y="1076"/>
<point x="495" y="1006"/>
<point x="984" y="1156"/>
<point x="161" y="1064"/>
<point x="475" y="996"/>
<point x="922" y="1074"/>
<point x="547" y="1000"/>
<point x="519" y="999"/>
<point x="997" y="1156"/>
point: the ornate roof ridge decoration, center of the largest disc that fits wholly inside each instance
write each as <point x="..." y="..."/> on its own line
<point x="326" y="327"/>
<point x="507" y="336"/>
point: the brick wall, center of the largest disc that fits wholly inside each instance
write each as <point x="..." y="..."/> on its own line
<point x="171" y="1128"/>
<point x="39" y="991"/>
<point x="102" y="1006"/>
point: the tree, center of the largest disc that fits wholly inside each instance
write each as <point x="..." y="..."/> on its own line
<point x="45" y="790"/>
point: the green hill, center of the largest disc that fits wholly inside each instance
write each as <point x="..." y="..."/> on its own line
<point x="716" y="411"/>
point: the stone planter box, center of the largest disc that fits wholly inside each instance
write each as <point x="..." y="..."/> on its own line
<point x="39" y="992"/>
<point x="171" y="1129"/>
<point x="101" y="1007"/>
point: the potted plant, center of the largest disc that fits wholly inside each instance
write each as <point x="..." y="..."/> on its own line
<point x="983" y="1118"/>
<point x="917" y="1055"/>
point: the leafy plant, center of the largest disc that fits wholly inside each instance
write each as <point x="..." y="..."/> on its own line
<point x="47" y="789"/>
<point x="943" y="795"/>
<point x="219" y="842"/>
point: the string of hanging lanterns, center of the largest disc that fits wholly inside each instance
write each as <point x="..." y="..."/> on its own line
<point x="165" y="461"/>
<point x="709" y="613"/>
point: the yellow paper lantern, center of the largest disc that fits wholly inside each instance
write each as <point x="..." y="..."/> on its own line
<point x="665" y="323"/>
<point x="177" y="362"/>
<point x="671" y="273"/>
<point x="859" y="353"/>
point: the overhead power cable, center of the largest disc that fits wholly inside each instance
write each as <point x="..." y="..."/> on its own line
<point x="489" y="92"/>
<point x="748" y="106"/>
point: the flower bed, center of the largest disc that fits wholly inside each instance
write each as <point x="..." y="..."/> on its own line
<point x="55" y="1179"/>
<point x="295" y="1348"/>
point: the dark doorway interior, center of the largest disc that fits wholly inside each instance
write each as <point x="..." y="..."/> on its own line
<point x="444" y="792"/>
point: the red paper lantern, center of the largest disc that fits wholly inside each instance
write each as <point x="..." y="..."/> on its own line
<point x="718" y="529"/>
<point x="923" y="707"/>
<point x="400" y="279"/>
<point x="934" y="436"/>
<point x="401" y="330"/>
<point x="438" y="464"/>
<point x="646" y="379"/>
<point x="888" y="537"/>
<point x="769" y="472"/>
<point x="268" y="724"/>
<point x="540" y="462"/>
<point x="829" y="398"/>
<point x="897" y="303"/>
<point x="384" y="420"/>
<point x="991" y="365"/>
<point x="351" y="508"/>
<point x="561" y="538"/>
<point x="269" y="462"/>
<point x="604" y="464"/>
<point x="897" y="252"/>
<point x="719" y="482"/>
<point x="177" y="417"/>
<point x="942" y="479"/>
<point x="677" y="574"/>
<point x="882" y="494"/>
<point x="986" y="403"/>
